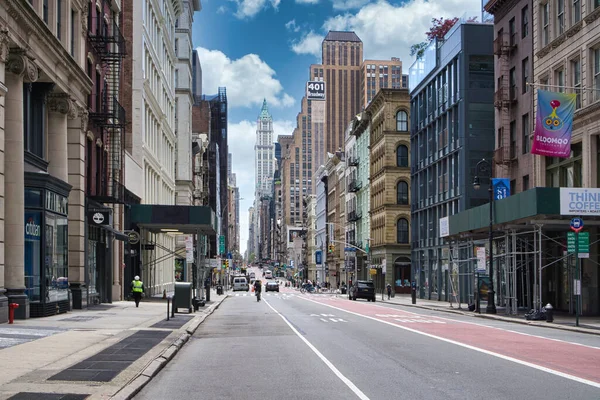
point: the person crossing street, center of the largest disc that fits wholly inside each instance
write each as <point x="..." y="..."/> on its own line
<point x="137" y="289"/>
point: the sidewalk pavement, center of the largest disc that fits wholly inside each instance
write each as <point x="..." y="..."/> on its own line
<point x="589" y="325"/>
<point x="106" y="351"/>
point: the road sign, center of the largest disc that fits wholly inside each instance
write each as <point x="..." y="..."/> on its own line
<point x="576" y="224"/>
<point x="501" y="188"/>
<point x="349" y="249"/>
<point x="583" y="239"/>
<point x="318" y="257"/>
<point x="221" y="244"/>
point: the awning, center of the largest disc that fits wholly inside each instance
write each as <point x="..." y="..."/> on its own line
<point x="174" y="218"/>
<point x="118" y="235"/>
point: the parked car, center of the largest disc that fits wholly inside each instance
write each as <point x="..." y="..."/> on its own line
<point x="362" y="290"/>
<point x="272" y="286"/>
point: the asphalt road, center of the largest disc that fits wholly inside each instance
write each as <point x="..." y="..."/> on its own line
<point x="292" y="346"/>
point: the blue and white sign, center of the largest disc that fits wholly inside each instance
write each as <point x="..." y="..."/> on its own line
<point x="318" y="257"/>
<point x="501" y="188"/>
<point x="579" y="201"/>
<point x="576" y="224"/>
<point x="33" y="227"/>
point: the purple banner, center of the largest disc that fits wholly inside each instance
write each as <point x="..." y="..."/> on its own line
<point x="553" y="124"/>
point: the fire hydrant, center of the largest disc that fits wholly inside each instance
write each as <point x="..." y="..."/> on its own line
<point x="11" y="312"/>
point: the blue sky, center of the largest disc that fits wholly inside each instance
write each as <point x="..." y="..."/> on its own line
<point x="263" y="49"/>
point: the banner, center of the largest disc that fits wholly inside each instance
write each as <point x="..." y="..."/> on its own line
<point x="553" y="124"/>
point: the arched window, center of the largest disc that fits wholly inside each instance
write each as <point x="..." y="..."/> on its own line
<point x="402" y="230"/>
<point x="402" y="193"/>
<point x="402" y="121"/>
<point x="402" y="156"/>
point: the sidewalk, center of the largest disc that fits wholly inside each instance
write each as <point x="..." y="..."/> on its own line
<point x="106" y="350"/>
<point x="589" y="325"/>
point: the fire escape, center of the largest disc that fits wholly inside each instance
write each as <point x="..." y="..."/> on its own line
<point x="109" y="115"/>
<point x="504" y="97"/>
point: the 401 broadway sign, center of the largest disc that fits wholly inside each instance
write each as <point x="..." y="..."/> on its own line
<point x="579" y="201"/>
<point x="553" y="124"/>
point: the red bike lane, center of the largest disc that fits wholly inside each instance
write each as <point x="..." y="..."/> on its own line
<point x="582" y="362"/>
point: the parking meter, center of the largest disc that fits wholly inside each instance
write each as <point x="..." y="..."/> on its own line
<point x="413" y="292"/>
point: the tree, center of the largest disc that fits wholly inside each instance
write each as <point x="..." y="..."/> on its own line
<point x="418" y="49"/>
<point x="439" y="28"/>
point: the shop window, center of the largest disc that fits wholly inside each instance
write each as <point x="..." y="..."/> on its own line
<point x="33" y="255"/>
<point x="56" y="258"/>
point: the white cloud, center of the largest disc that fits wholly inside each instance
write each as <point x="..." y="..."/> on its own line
<point x="348" y="4"/>
<point x="222" y="10"/>
<point x="310" y="43"/>
<point x="249" y="8"/>
<point x="291" y="26"/>
<point x="307" y="1"/>
<point x="242" y="77"/>
<point x="388" y="30"/>
<point x="241" y="140"/>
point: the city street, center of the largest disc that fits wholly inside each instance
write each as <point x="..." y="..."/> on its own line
<point x="292" y="346"/>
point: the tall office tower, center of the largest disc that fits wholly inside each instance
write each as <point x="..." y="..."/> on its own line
<point x="264" y="152"/>
<point x="184" y="99"/>
<point x="379" y="74"/>
<point x="150" y="139"/>
<point x="342" y="56"/>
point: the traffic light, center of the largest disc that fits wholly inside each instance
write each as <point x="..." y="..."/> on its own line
<point x="331" y="248"/>
<point x="226" y="263"/>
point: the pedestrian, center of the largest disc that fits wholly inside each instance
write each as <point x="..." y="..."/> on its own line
<point x="137" y="290"/>
<point x="389" y="290"/>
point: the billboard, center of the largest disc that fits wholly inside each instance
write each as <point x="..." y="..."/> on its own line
<point x="315" y="90"/>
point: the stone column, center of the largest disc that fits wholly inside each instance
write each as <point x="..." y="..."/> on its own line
<point x="20" y="68"/>
<point x="76" y="136"/>
<point x="3" y="59"/>
<point x="59" y="105"/>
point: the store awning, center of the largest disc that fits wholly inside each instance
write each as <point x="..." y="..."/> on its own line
<point x="174" y="218"/>
<point x="118" y="235"/>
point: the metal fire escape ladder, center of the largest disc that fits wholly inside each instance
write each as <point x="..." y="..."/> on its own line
<point x="109" y="44"/>
<point x="502" y="100"/>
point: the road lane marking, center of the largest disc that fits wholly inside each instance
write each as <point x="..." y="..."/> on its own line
<point x="495" y="327"/>
<point x="491" y="353"/>
<point x="332" y="367"/>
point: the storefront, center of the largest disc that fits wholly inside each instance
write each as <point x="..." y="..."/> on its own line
<point x="46" y="244"/>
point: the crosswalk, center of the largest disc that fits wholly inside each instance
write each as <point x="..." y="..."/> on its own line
<point x="276" y="295"/>
<point x="12" y="336"/>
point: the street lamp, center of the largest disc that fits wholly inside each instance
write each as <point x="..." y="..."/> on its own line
<point x="484" y="168"/>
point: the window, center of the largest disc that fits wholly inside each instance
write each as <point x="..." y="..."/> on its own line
<point x="402" y="230"/>
<point x="524" y="22"/>
<point x="176" y="47"/>
<point x="58" y="18"/>
<point x="525" y="183"/>
<point x="525" y="74"/>
<point x="45" y="11"/>
<point x="73" y="15"/>
<point x="576" y="81"/>
<point x="560" y="80"/>
<point x="513" y="139"/>
<point x="402" y="156"/>
<point x="596" y="72"/>
<point x="402" y="193"/>
<point x="512" y="82"/>
<point x="576" y="11"/>
<point x="526" y="145"/>
<point x="565" y="172"/>
<point x="512" y="31"/>
<point x="560" y="17"/>
<point x="176" y="78"/>
<point x="402" y="121"/>
<point x="544" y="83"/>
<point x="34" y="117"/>
<point x="545" y="22"/>
<point x="596" y="4"/>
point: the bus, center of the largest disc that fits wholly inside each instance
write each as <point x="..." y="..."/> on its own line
<point x="268" y="274"/>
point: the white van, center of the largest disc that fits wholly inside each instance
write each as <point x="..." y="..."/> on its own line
<point x="240" y="283"/>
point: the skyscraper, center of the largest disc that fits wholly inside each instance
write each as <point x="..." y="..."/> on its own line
<point x="264" y="152"/>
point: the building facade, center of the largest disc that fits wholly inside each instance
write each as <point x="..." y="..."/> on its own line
<point x="390" y="182"/>
<point x="452" y="129"/>
<point x="43" y="123"/>
<point x="378" y="74"/>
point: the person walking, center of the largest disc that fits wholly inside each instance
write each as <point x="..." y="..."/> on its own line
<point x="137" y="289"/>
<point x="389" y="290"/>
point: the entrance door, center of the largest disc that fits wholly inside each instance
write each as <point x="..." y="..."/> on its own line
<point x="402" y="278"/>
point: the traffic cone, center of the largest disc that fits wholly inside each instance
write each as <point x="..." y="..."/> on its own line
<point x="253" y="289"/>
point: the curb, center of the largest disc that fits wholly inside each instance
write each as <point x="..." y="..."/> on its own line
<point x="500" y="318"/>
<point x="132" y="388"/>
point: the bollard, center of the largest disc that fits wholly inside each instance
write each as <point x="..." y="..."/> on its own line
<point x="11" y="312"/>
<point x="168" y="300"/>
<point x="173" y="308"/>
<point x="549" y="313"/>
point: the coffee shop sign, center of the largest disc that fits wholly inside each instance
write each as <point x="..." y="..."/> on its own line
<point x="579" y="201"/>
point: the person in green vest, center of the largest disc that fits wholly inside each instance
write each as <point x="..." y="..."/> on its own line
<point x="137" y="289"/>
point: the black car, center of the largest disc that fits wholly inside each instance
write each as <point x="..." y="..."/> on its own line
<point x="362" y="290"/>
<point x="272" y="286"/>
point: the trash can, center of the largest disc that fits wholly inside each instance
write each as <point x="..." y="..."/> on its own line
<point x="219" y="289"/>
<point x="183" y="296"/>
<point x="549" y="313"/>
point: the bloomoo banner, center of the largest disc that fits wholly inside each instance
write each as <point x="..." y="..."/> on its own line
<point x="553" y="124"/>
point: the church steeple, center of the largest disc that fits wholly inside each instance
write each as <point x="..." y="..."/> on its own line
<point x="264" y="112"/>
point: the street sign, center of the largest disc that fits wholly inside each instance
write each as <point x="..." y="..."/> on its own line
<point x="576" y="224"/>
<point x="501" y="188"/>
<point x="349" y="249"/>
<point x="221" y="244"/>
<point x="318" y="257"/>
<point x="583" y="240"/>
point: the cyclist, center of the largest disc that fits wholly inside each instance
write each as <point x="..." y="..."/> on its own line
<point x="257" y="289"/>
